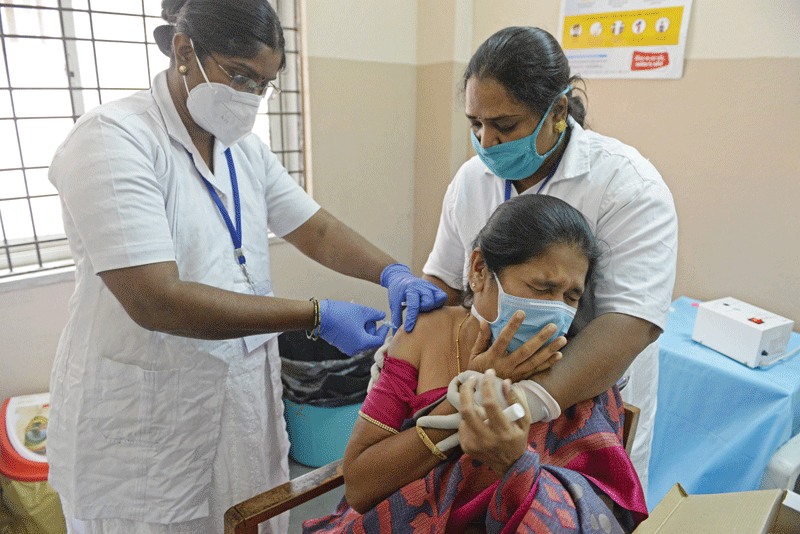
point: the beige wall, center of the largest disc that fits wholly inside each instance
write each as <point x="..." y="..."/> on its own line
<point x="363" y="93"/>
<point x="389" y="132"/>
<point x="363" y="161"/>
<point x="31" y="320"/>
<point x="444" y="34"/>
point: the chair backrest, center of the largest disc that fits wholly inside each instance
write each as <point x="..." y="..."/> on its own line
<point x="243" y="518"/>
<point x="629" y="427"/>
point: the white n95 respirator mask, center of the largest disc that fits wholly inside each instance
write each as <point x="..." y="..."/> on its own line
<point x="221" y="110"/>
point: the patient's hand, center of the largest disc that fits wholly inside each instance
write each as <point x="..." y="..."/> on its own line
<point x="531" y="358"/>
<point x="485" y="433"/>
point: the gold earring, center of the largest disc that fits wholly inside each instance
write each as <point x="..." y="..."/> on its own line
<point x="182" y="69"/>
<point x="561" y="126"/>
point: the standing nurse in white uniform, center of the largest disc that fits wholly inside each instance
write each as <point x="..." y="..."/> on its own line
<point x="166" y="391"/>
<point x="527" y="130"/>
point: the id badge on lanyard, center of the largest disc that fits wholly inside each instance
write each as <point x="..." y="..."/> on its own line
<point x="234" y="230"/>
<point x="264" y="288"/>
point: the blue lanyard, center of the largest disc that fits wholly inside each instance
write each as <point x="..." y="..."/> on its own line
<point x="235" y="231"/>
<point x="550" y="175"/>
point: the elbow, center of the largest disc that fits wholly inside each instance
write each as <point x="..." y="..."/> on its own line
<point x="645" y="335"/>
<point x="351" y="492"/>
<point x="152" y="321"/>
<point x="653" y="333"/>
<point x="155" y="315"/>
<point x="355" y="492"/>
<point x="357" y="504"/>
<point x="640" y="334"/>
<point x="149" y="321"/>
<point x="152" y="295"/>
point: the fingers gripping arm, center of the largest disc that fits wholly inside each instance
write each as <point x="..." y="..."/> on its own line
<point x="452" y="421"/>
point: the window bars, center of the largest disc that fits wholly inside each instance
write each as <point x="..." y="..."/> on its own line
<point x="64" y="57"/>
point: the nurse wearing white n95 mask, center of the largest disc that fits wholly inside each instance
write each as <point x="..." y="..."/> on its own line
<point x="166" y="390"/>
<point x="226" y="111"/>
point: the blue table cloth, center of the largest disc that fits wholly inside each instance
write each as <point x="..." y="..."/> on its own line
<point x="718" y="421"/>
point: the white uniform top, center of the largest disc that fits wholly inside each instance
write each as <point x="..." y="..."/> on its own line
<point x="136" y="416"/>
<point x="631" y="212"/>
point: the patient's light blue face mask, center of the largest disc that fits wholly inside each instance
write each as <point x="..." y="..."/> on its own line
<point x="518" y="159"/>
<point x="538" y="314"/>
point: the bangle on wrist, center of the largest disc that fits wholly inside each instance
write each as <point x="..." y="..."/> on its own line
<point x="428" y="443"/>
<point x="314" y="334"/>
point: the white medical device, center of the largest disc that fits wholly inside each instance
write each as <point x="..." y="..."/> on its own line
<point x="783" y="469"/>
<point x="745" y="333"/>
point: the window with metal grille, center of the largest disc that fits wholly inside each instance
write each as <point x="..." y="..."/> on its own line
<point x="64" y="57"/>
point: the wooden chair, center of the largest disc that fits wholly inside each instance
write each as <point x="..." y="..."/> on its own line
<point x="244" y="518"/>
<point x="629" y="427"/>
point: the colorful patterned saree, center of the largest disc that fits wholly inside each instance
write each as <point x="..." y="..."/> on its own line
<point x="574" y="477"/>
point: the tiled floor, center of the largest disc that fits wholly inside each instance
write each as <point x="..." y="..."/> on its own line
<point x="318" y="507"/>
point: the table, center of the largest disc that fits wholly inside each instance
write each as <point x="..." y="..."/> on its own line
<point x="718" y="421"/>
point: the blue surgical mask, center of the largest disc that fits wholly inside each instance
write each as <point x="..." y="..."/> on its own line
<point x="538" y="314"/>
<point x="516" y="160"/>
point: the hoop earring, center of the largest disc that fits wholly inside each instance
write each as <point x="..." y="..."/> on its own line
<point x="182" y="69"/>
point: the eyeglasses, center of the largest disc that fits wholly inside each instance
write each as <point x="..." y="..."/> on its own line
<point x="242" y="83"/>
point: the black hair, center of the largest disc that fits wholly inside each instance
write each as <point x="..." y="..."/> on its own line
<point x="227" y="27"/>
<point x="527" y="226"/>
<point x="532" y="67"/>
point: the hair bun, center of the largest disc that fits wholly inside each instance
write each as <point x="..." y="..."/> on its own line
<point x="170" y="9"/>
<point x="163" y="36"/>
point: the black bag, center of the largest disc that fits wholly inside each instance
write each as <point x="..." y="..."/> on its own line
<point x="319" y="374"/>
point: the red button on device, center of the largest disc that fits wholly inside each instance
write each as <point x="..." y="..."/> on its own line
<point x="756" y="320"/>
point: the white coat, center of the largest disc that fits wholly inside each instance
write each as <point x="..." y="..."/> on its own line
<point x="146" y="426"/>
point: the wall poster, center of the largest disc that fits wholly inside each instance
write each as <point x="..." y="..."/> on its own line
<point x="625" y="38"/>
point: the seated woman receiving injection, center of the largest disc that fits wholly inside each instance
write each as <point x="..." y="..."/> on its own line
<point x="404" y="470"/>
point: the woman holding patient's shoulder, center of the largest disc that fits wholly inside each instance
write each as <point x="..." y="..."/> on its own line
<point x="536" y="254"/>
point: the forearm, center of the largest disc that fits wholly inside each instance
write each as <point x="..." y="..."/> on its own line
<point x="207" y="312"/>
<point x="596" y="358"/>
<point x="156" y="299"/>
<point x="328" y="241"/>
<point x="374" y="473"/>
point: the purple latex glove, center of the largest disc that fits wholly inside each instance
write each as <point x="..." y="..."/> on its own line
<point x="417" y="295"/>
<point x="350" y="327"/>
